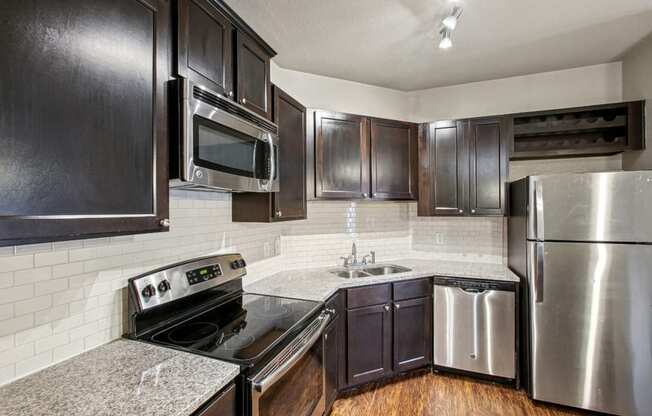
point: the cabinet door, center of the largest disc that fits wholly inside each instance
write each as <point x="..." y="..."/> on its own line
<point x="83" y="130"/>
<point x="488" y="163"/>
<point x="290" y="116"/>
<point x="225" y="404"/>
<point x="253" y="75"/>
<point x="412" y="333"/>
<point x="393" y="159"/>
<point x="341" y="156"/>
<point x="204" y="46"/>
<point x="443" y="170"/>
<point x="331" y="366"/>
<point x="369" y="343"/>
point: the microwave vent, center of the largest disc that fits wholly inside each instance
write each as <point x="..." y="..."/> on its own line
<point x="232" y="108"/>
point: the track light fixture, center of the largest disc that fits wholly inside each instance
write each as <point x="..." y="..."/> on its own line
<point x="448" y="25"/>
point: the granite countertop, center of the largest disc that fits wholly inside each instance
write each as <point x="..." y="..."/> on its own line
<point x="318" y="284"/>
<point x="120" y="378"/>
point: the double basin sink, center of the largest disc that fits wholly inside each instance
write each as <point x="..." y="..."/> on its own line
<point x="371" y="270"/>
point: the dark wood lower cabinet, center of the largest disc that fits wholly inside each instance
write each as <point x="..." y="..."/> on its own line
<point x="369" y="343"/>
<point x="388" y="330"/>
<point x="331" y="353"/>
<point x="223" y="404"/>
<point x="412" y="333"/>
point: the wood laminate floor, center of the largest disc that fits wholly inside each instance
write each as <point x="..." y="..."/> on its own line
<point x="445" y="395"/>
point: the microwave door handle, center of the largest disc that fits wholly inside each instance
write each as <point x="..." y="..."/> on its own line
<point x="272" y="161"/>
<point x="312" y="335"/>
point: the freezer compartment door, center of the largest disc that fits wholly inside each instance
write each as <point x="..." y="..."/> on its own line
<point x="474" y="331"/>
<point x="591" y="325"/>
<point x="610" y="207"/>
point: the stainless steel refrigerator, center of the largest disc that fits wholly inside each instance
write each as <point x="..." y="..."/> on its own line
<point x="582" y="244"/>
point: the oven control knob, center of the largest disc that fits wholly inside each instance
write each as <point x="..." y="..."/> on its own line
<point x="235" y="264"/>
<point x="148" y="291"/>
<point x="164" y="286"/>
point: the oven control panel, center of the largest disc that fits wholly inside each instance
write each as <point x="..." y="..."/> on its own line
<point x="203" y="274"/>
<point x="183" y="279"/>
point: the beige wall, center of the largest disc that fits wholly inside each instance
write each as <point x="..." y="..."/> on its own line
<point x="587" y="85"/>
<point x="637" y="85"/>
<point x="316" y="91"/>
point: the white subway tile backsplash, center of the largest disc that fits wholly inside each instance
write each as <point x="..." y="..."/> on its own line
<point x="13" y="263"/>
<point x="35" y="363"/>
<point x="16" y="293"/>
<point x="33" y="334"/>
<point x="58" y="300"/>
<point x="32" y="305"/>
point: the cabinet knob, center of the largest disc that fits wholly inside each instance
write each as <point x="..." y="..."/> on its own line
<point x="365" y="195"/>
<point x="165" y="222"/>
<point x="396" y="305"/>
<point x="244" y="101"/>
<point x="231" y="94"/>
<point x="279" y="213"/>
<point x="461" y="211"/>
<point x="472" y="211"/>
<point x="387" y="307"/>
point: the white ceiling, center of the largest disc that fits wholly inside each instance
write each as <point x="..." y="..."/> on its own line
<point x="393" y="43"/>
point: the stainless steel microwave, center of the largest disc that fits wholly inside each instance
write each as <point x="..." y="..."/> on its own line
<point x="219" y="145"/>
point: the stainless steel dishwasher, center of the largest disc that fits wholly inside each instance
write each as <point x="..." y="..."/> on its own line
<point x="474" y="326"/>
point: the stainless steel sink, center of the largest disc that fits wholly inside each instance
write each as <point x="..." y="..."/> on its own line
<point x="388" y="269"/>
<point x="372" y="270"/>
<point x="350" y="274"/>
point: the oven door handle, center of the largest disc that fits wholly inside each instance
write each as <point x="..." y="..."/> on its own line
<point x="284" y="361"/>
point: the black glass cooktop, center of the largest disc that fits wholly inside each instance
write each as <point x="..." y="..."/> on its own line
<point x="241" y="330"/>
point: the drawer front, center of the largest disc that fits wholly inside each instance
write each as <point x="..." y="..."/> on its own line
<point x="412" y="289"/>
<point x="336" y="304"/>
<point x="368" y="295"/>
<point x="224" y="405"/>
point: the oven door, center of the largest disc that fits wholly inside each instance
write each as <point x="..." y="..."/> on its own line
<point x="293" y="382"/>
<point x="222" y="149"/>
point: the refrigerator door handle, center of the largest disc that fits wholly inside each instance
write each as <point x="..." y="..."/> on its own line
<point x="538" y="207"/>
<point x="538" y="273"/>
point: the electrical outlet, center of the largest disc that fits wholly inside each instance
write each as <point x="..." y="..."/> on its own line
<point x="439" y="238"/>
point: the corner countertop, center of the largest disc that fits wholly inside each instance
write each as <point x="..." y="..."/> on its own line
<point x="120" y="378"/>
<point x="318" y="284"/>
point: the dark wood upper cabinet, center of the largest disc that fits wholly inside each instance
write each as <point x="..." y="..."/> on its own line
<point x="83" y="129"/>
<point x="341" y="156"/>
<point x="393" y="159"/>
<point x="412" y="333"/>
<point x="369" y="343"/>
<point x="463" y="167"/>
<point x="350" y="156"/>
<point x="443" y="169"/>
<point x="217" y="49"/>
<point x="488" y="163"/>
<point x="205" y="45"/>
<point x="290" y="202"/>
<point x="254" y="86"/>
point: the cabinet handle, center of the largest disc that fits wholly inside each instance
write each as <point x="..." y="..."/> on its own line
<point x="396" y="305"/>
<point x="244" y="101"/>
<point x="231" y="94"/>
<point x="325" y="337"/>
<point x="387" y="307"/>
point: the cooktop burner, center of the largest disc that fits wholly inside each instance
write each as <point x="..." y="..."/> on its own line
<point x="240" y="330"/>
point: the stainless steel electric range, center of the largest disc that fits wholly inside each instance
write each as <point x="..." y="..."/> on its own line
<point x="199" y="306"/>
